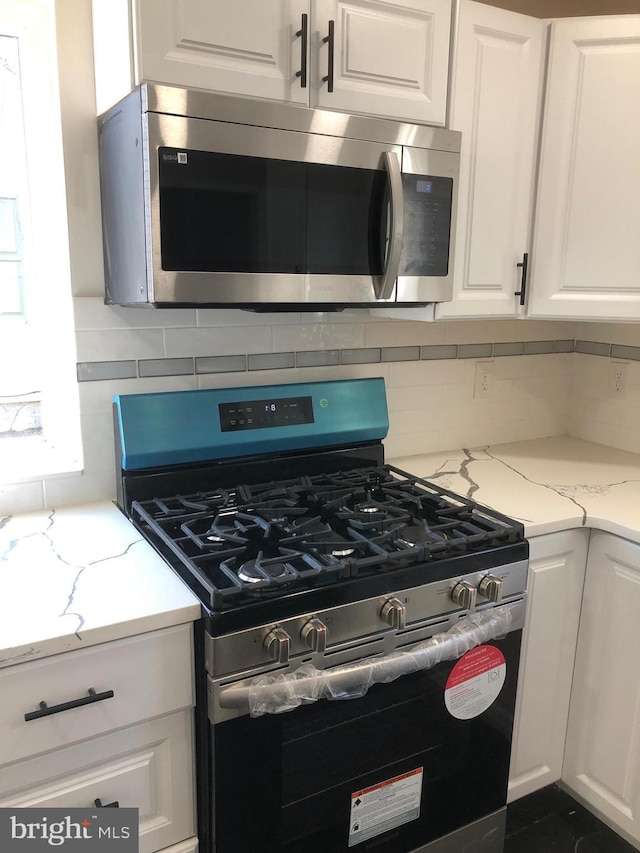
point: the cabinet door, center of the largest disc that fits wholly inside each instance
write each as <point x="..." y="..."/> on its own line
<point x="249" y="48"/>
<point x="391" y="57"/>
<point x="556" y="577"/>
<point x="496" y="91"/>
<point x="586" y="252"/>
<point x="602" y="758"/>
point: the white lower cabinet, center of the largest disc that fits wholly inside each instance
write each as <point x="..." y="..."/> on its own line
<point x="556" y="577"/>
<point x="112" y="723"/>
<point x="602" y="758"/>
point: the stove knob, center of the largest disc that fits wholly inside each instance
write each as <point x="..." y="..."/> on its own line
<point x="314" y="635"/>
<point x="277" y="644"/>
<point x="394" y="613"/>
<point x="490" y="587"/>
<point x="464" y="595"/>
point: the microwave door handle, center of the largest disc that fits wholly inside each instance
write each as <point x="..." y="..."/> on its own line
<point x="384" y="285"/>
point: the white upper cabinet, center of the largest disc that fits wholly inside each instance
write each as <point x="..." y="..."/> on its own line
<point x="388" y="58"/>
<point x="586" y="258"/>
<point x="495" y="102"/>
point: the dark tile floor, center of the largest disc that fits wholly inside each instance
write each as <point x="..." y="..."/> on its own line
<point x="550" y="821"/>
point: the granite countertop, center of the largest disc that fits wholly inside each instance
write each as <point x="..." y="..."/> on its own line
<point x="75" y="577"/>
<point x="549" y="484"/>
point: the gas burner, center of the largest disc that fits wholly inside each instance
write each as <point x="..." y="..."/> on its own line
<point x="249" y="572"/>
<point x="412" y="535"/>
<point x="342" y="551"/>
<point x="368" y="508"/>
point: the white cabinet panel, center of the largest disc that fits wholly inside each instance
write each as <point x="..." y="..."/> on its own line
<point x="496" y="90"/>
<point x="556" y="577"/>
<point x="587" y="256"/>
<point x="602" y="759"/>
<point x="391" y="57"/>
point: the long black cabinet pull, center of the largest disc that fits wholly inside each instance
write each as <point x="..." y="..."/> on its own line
<point x="303" y="34"/>
<point x="46" y="711"/>
<point x="524" y="264"/>
<point x="100" y="805"/>
<point x="331" y="41"/>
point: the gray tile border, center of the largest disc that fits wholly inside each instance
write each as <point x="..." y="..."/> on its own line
<point x="564" y="346"/>
<point x="439" y="351"/>
<point x="367" y="355"/>
<point x="271" y="360"/>
<point x="593" y="348"/>
<point x="538" y="347"/>
<point x="400" y="354"/>
<point x="95" y="371"/>
<point x="474" y="351"/>
<point x="221" y="364"/>
<point x="317" y="358"/>
<point x="512" y="348"/>
<point x="165" y="367"/>
<point x="621" y="351"/>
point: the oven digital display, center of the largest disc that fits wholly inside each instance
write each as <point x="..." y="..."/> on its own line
<point x="258" y="414"/>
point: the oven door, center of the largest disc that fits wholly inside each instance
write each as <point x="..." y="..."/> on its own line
<point x="394" y="771"/>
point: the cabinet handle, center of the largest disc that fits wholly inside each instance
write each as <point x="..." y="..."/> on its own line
<point x="524" y="263"/>
<point x="303" y="34"/>
<point x="100" y="805"/>
<point x="331" y="40"/>
<point x="384" y="286"/>
<point x="45" y="710"/>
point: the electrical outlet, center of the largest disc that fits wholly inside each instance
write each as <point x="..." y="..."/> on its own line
<point x="483" y="386"/>
<point x="618" y="379"/>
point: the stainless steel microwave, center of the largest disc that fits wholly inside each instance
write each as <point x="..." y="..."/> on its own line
<point x="211" y="200"/>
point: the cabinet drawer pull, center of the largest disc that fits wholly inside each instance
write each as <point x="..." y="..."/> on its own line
<point x="303" y="34"/>
<point x="45" y="710"/>
<point x="524" y="265"/>
<point x="331" y="40"/>
<point x="100" y="805"/>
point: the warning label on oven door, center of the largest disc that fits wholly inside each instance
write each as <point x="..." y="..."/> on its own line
<point x="475" y="682"/>
<point x="384" y="806"/>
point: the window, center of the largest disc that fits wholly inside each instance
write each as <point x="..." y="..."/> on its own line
<point x="39" y="422"/>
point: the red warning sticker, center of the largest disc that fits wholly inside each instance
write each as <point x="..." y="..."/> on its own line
<point x="475" y="682"/>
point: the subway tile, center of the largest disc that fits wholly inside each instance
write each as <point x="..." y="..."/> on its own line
<point x="627" y="334"/>
<point x="211" y="341"/>
<point x="165" y="367"/>
<point x="365" y="355"/>
<point x="95" y="371"/>
<point x="90" y="312"/>
<point x="380" y="332"/>
<point x="593" y="348"/>
<point x="504" y="349"/>
<point x="271" y="360"/>
<point x="400" y="353"/>
<point x="120" y="344"/>
<point x="221" y="364"/>
<point x="214" y="317"/>
<point x="98" y="396"/>
<point x="443" y="351"/>
<point x="317" y="336"/>
<point x="474" y="351"/>
<point x="564" y="346"/>
<point x="620" y="351"/>
<point x="317" y="358"/>
<point x="538" y="347"/>
<point x="22" y="497"/>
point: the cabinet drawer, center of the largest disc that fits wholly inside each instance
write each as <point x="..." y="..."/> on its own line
<point x="150" y="675"/>
<point x="148" y="767"/>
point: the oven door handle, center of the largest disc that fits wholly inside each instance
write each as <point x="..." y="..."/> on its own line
<point x="267" y="694"/>
<point x="384" y="285"/>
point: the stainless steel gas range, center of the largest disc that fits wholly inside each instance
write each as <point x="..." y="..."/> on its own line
<point x="357" y="657"/>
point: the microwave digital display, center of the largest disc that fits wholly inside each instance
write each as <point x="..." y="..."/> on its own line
<point x="259" y="414"/>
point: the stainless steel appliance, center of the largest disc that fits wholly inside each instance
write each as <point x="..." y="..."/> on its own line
<point x="214" y="200"/>
<point x="357" y="657"/>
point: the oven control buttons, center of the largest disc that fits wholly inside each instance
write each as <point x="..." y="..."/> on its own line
<point x="314" y="635"/>
<point x="394" y="613"/>
<point x="464" y="595"/>
<point x="277" y="644"/>
<point x="490" y="587"/>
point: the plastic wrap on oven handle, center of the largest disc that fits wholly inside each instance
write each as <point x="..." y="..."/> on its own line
<point x="274" y="694"/>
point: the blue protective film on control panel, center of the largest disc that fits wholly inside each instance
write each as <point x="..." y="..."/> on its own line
<point x="177" y="427"/>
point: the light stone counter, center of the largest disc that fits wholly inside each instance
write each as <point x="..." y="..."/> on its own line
<point x="71" y="578"/>
<point x="549" y="484"/>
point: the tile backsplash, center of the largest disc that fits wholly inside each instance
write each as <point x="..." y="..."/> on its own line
<point x="429" y="369"/>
